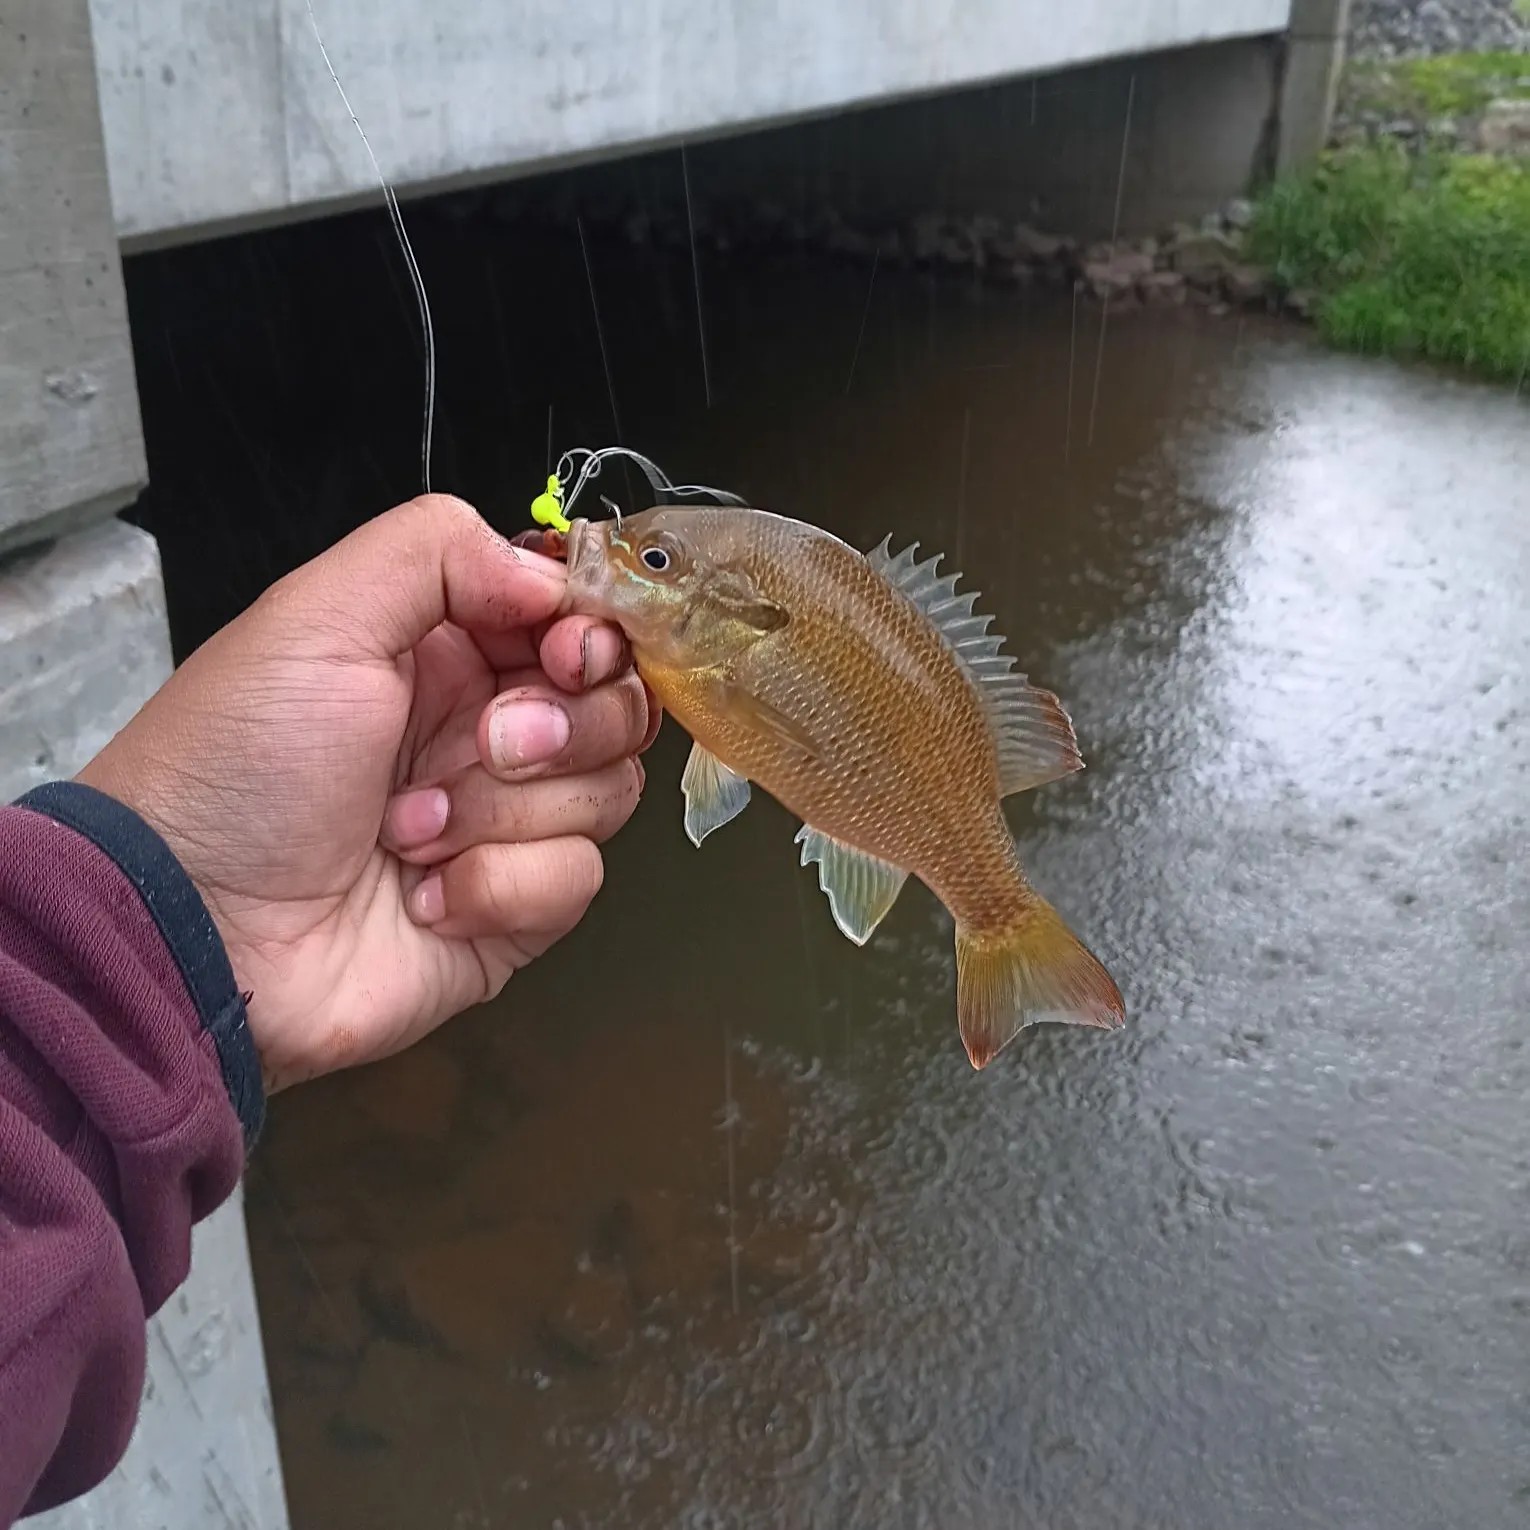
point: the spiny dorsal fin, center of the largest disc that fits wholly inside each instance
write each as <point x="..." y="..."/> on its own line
<point x="1031" y="732"/>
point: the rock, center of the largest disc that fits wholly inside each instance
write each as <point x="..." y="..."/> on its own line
<point x="956" y="249"/>
<point x="1245" y="284"/>
<point x="417" y="1093"/>
<point x="377" y="1411"/>
<point x="479" y="1292"/>
<point x="1117" y="276"/>
<point x="643" y="1222"/>
<point x="1203" y="258"/>
<point x="331" y="1331"/>
<point x="1406" y="28"/>
<point x="1505" y="128"/>
<point x="767" y="217"/>
<point x="841" y="239"/>
<point x="1032" y="245"/>
<point x="1160" y="287"/>
<point x="670" y="1249"/>
<point x="1239" y="213"/>
<point x="1301" y="302"/>
<point x="983" y="230"/>
<point x="593" y="1320"/>
<point x="1002" y="250"/>
<point x="925" y="237"/>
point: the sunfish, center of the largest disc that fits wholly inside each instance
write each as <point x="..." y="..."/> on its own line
<point x="864" y="695"/>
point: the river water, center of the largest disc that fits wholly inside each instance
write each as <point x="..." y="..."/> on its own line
<point x="708" y="1222"/>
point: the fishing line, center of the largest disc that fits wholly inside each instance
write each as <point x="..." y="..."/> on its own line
<point x="730" y="1123"/>
<point x="1115" y="230"/>
<point x="397" y="219"/>
<point x="553" y="507"/>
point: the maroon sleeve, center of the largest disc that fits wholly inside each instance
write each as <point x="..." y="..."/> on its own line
<point x="129" y="1092"/>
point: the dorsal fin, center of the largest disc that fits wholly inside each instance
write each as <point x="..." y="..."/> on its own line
<point x="1031" y="732"/>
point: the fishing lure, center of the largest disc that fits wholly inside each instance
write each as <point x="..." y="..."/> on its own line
<point x="547" y="507"/>
<point x="550" y="508"/>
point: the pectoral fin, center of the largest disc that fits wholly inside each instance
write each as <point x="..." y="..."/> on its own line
<point x="714" y="795"/>
<point x="860" y="888"/>
<point x="754" y="712"/>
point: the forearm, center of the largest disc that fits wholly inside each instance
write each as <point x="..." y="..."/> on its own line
<point x="129" y="1092"/>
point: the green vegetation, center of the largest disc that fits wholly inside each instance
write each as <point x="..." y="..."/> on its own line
<point x="1424" y="89"/>
<point x="1405" y="255"/>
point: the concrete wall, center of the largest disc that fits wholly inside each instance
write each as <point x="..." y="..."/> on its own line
<point x="1319" y="30"/>
<point x="222" y="114"/>
<point x="83" y="643"/>
<point x="1175" y="133"/>
<point x="70" y="444"/>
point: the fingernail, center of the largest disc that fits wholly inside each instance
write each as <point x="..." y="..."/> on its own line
<point x="427" y="903"/>
<point x="525" y="733"/>
<point x="417" y="818"/>
<point x="601" y="653"/>
<point x="642" y="776"/>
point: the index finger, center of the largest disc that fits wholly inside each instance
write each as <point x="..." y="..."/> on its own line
<point x="377" y="592"/>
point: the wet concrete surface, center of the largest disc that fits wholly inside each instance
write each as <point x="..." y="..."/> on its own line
<point x="1261" y="1259"/>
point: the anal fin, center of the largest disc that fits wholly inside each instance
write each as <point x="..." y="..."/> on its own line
<point x="860" y="888"/>
<point x="714" y="795"/>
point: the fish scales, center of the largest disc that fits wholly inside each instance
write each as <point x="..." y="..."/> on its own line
<point x="869" y="679"/>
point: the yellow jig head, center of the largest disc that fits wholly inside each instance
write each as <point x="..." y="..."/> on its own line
<point x="547" y="508"/>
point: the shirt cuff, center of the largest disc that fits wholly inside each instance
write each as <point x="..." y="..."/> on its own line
<point x="183" y="922"/>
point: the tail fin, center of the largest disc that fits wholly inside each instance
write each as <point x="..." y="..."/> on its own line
<point x="1036" y="970"/>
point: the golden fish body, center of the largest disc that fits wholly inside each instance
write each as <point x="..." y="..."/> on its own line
<point x="862" y="694"/>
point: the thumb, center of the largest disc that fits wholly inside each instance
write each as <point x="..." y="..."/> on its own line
<point x="377" y="592"/>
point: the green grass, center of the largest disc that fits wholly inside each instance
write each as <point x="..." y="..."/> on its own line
<point x="1450" y="85"/>
<point x="1426" y="256"/>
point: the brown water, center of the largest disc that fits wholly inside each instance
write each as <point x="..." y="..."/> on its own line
<point x="1262" y="1259"/>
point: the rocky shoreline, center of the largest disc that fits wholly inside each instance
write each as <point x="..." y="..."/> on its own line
<point x="1202" y="263"/>
<point x="1388" y="29"/>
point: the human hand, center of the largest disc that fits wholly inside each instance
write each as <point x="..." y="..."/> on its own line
<point x="389" y="779"/>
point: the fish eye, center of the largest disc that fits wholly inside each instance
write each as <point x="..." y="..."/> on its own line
<point x="655" y="558"/>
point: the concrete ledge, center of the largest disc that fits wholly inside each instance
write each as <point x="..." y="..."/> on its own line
<point x="205" y="1451"/>
<point x="217" y="113"/>
<point x="83" y="644"/>
<point x="1314" y="62"/>
<point x="71" y="447"/>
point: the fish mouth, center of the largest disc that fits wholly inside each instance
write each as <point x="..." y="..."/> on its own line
<point x="582" y="554"/>
<point x="573" y="543"/>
